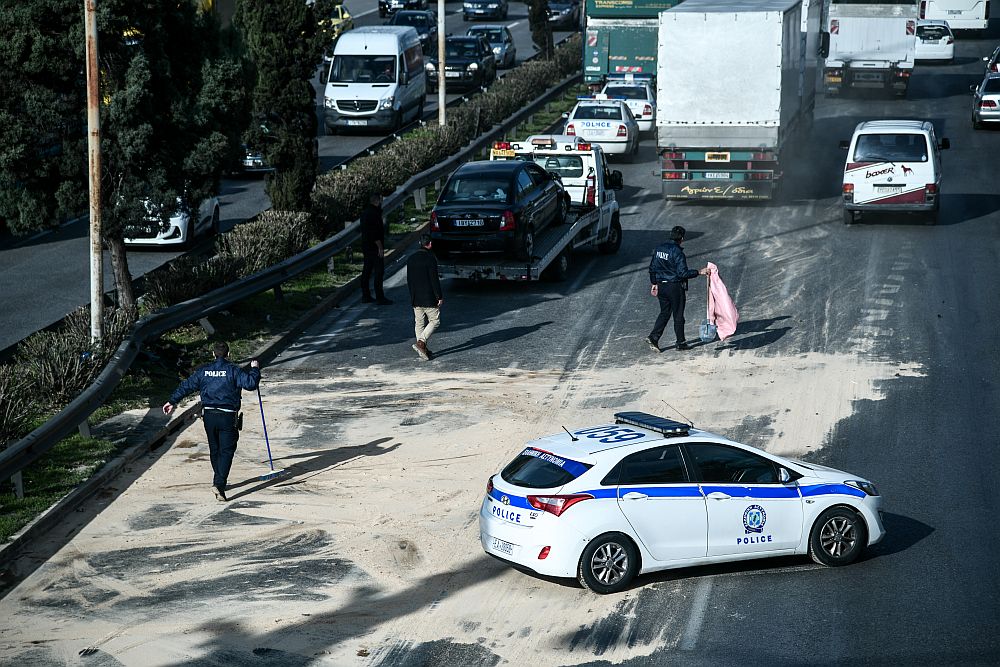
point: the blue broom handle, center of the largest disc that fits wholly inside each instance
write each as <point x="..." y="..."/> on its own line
<point x="264" y="424"/>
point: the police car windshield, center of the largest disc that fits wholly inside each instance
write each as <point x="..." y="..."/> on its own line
<point x="595" y="112"/>
<point x="535" y="469"/>
<point x="891" y="148"/>
<point x="628" y="92"/>
<point x="567" y="166"/>
<point x="476" y="188"/>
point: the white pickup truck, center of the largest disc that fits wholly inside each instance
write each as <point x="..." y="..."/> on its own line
<point x="594" y="218"/>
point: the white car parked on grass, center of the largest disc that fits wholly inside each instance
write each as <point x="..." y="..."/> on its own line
<point x="606" y="503"/>
<point x="606" y="122"/>
<point x="182" y="227"/>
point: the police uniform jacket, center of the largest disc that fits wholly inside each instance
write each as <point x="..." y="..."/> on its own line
<point x="669" y="265"/>
<point x="220" y="384"/>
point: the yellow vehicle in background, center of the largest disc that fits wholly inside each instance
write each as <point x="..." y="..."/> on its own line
<point x="337" y="23"/>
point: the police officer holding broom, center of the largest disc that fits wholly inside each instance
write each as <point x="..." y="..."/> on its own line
<point x="668" y="276"/>
<point x="219" y="384"/>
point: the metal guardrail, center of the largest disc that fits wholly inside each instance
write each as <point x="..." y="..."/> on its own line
<point x="25" y="451"/>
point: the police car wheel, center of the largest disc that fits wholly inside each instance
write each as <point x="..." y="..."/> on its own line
<point x="838" y="537"/>
<point x="608" y="564"/>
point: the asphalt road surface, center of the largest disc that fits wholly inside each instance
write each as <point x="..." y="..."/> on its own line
<point x="869" y="348"/>
<point x="45" y="277"/>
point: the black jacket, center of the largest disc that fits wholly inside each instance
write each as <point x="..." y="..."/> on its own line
<point x="669" y="265"/>
<point x="372" y="227"/>
<point x="422" y="279"/>
<point x="220" y="384"/>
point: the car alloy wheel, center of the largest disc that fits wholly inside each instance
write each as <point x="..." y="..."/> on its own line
<point x="527" y="250"/>
<point x="608" y="564"/>
<point x="838" y="537"/>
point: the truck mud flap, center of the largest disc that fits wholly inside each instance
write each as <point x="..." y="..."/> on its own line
<point x="734" y="191"/>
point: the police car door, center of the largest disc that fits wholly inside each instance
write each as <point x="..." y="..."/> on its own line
<point x="664" y="507"/>
<point x="749" y="510"/>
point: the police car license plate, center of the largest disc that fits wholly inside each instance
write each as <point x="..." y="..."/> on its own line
<point x="357" y="122"/>
<point x="469" y="223"/>
<point x="717" y="174"/>
<point x="496" y="544"/>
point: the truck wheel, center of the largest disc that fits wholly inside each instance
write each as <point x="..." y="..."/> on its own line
<point x="850" y="217"/>
<point x="527" y="249"/>
<point x="614" y="241"/>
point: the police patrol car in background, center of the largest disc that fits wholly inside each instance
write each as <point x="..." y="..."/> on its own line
<point x="645" y="493"/>
<point x="637" y="91"/>
<point x="605" y="121"/>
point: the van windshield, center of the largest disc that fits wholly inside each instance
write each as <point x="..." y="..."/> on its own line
<point x="363" y="69"/>
<point x="891" y="148"/>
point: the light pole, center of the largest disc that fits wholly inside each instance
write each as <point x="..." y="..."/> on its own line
<point x="441" y="78"/>
<point x="94" y="162"/>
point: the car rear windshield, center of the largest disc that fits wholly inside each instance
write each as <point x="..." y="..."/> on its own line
<point x="415" y="20"/>
<point x="478" y="187"/>
<point x="538" y="469"/>
<point x="628" y="92"/>
<point x="932" y="31"/>
<point x="891" y="148"/>
<point x="567" y="166"/>
<point x="492" y="36"/>
<point x="595" y="112"/>
<point x="991" y="86"/>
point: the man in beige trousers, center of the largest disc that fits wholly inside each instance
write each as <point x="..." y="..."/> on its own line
<point x="425" y="295"/>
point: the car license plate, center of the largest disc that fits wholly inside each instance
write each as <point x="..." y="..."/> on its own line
<point x="716" y="157"/>
<point x="469" y="223"/>
<point x="954" y="12"/>
<point x="503" y="152"/>
<point x="452" y="75"/>
<point x="496" y="544"/>
<point x="357" y="122"/>
<point x="716" y="174"/>
<point x="887" y="189"/>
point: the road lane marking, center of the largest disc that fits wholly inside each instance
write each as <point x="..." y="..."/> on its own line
<point x="697" y="617"/>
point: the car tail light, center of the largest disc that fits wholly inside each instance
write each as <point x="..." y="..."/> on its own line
<point x="766" y="176"/>
<point x="489" y="485"/>
<point x="570" y="130"/>
<point x="834" y="71"/>
<point x="557" y="504"/>
<point x="911" y="27"/>
<point x="583" y="147"/>
<point x="848" y="188"/>
<point x="931" y="188"/>
<point x="544" y="553"/>
<point x="508" y="221"/>
<point x="834" y="27"/>
<point x="501" y="145"/>
<point x="435" y="225"/>
<point x="622" y="131"/>
<point x="591" y="193"/>
<point x="673" y="156"/>
<point x="987" y="104"/>
<point x="762" y="156"/>
<point x="949" y="40"/>
<point x="674" y="175"/>
<point x="647" y="109"/>
<point x="923" y="9"/>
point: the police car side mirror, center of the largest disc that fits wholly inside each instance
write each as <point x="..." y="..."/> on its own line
<point x="844" y="144"/>
<point x="986" y="59"/>
<point x="565" y="115"/>
<point x="784" y="476"/>
<point x="945" y="143"/>
<point x="615" y="181"/>
<point x="972" y="88"/>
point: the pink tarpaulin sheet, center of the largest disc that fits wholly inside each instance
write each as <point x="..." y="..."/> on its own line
<point x="721" y="309"/>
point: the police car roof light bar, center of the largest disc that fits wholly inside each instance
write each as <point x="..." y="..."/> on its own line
<point x="667" y="427"/>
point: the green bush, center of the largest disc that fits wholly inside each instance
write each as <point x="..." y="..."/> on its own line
<point x="17" y="406"/>
<point x="189" y="277"/>
<point x="270" y="238"/>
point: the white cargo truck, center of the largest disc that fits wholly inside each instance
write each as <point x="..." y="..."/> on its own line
<point x="725" y="115"/>
<point x="869" y="44"/>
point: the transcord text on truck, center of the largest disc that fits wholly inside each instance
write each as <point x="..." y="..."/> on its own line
<point x="726" y="115"/>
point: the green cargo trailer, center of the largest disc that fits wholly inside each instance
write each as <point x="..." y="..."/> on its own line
<point x="620" y="37"/>
<point x="633" y="9"/>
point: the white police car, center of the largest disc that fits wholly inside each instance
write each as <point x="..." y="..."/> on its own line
<point x="606" y="503"/>
<point x="637" y="91"/>
<point x="608" y="122"/>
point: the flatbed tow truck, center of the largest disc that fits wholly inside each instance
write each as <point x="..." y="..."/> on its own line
<point x="593" y="219"/>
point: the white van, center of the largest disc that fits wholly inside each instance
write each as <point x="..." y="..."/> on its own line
<point x="375" y="80"/>
<point x="892" y="165"/>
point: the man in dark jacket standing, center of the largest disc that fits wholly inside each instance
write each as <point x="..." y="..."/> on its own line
<point x="220" y="384"/>
<point x="373" y="249"/>
<point x="668" y="276"/>
<point x="425" y="294"/>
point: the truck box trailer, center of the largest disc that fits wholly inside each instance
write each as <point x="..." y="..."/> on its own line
<point x="620" y="37"/>
<point x="735" y="81"/>
<point x="870" y="44"/>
